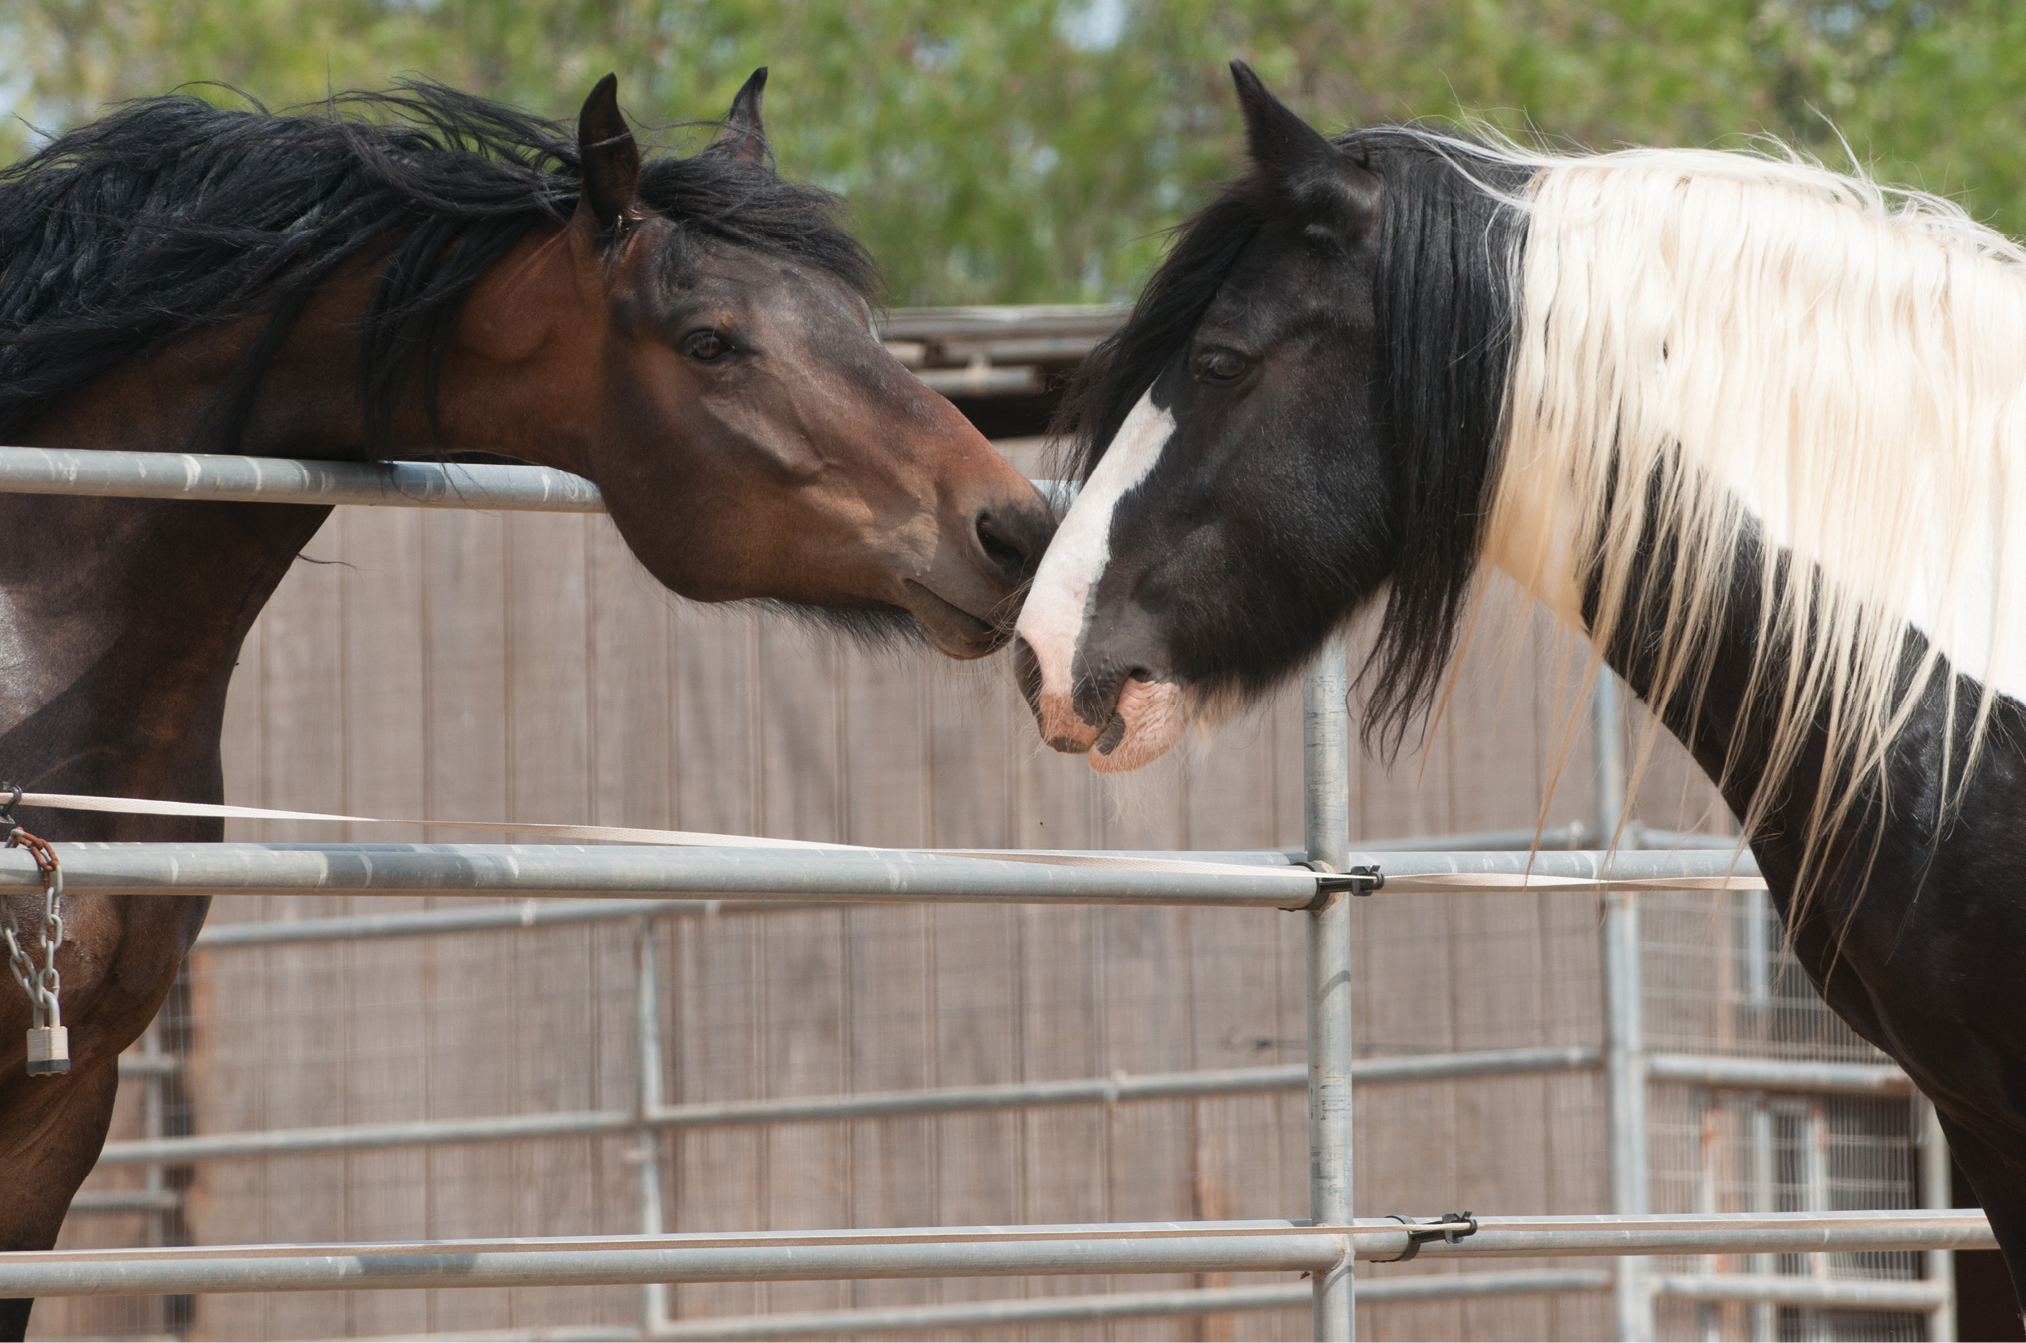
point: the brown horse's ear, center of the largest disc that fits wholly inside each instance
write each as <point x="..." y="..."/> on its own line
<point x="610" y="157"/>
<point x="745" y="135"/>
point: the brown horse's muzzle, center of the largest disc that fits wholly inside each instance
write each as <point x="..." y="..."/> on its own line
<point x="991" y="533"/>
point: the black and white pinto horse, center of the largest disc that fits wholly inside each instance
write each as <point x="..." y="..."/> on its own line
<point x="1755" y="428"/>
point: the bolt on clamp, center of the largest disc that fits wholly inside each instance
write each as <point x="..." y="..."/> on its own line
<point x="1450" y="1227"/>
<point x="1358" y="881"/>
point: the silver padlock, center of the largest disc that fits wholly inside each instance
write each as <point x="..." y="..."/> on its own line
<point x="48" y="1050"/>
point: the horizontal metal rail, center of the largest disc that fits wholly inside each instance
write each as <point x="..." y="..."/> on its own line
<point x="1683" y="839"/>
<point x="1781" y="1290"/>
<point x="1142" y="1247"/>
<point x="984" y="380"/>
<point x="107" y="1202"/>
<point x="280" y="480"/>
<point x="1714" y="1233"/>
<point x="138" y="1064"/>
<point x="470" y="919"/>
<point x="1121" y="1306"/>
<point x="990" y="1314"/>
<point x="1764" y="1075"/>
<point x="640" y="870"/>
<point x="1412" y="872"/>
<point x="811" y="1109"/>
<point x="487" y="486"/>
<point x="764" y="1257"/>
<point x="1904" y="1295"/>
<point x="799" y="874"/>
<point x="540" y="914"/>
<point x="1746" y="1074"/>
<point x="986" y="322"/>
<point x="1575" y="835"/>
<point x="549" y="913"/>
<point x="365" y="1137"/>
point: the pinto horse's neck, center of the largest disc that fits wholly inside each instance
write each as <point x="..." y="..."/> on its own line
<point x="1531" y="538"/>
<point x="1847" y="906"/>
<point x="1908" y="927"/>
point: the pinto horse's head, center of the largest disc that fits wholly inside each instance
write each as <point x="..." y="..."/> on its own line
<point x="1290" y="424"/>
<point x="701" y="332"/>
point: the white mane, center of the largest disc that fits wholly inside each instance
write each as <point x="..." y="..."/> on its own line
<point x="1708" y="342"/>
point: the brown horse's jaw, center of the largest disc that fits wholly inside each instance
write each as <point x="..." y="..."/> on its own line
<point x="954" y="631"/>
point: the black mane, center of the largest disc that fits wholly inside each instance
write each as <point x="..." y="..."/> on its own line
<point x="171" y="215"/>
<point x="1445" y="311"/>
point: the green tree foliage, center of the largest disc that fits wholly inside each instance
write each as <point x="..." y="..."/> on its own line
<point x="1035" y="150"/>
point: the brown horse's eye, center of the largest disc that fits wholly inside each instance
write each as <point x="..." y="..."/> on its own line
<point x="706" y="346"/>
<point x="1220" y="365"/>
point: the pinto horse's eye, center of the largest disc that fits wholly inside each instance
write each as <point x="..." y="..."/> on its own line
<point x="706" y="347"/>
<point x="1217" y="364"/>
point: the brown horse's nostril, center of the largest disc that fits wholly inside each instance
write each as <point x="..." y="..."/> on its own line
<point x="1008" y="551"/>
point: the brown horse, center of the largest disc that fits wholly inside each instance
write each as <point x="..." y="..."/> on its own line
<point x="692" y="334"/>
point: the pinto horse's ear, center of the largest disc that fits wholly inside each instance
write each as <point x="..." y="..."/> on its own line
<point x="745" y="135"/>
<point x="1298" y="160"/>
<point x="610" y="157"/>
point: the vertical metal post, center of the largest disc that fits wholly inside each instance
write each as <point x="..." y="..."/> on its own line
<point x="1935" y="1193"/>
<point x="154" y="1106"/>
<point x="1708" y="1314"/>
<point x="1327" y="836"/>
<point x="1815" y="1198"/>
<point x="1758" y="944"/>
<point x="1624" y="1035"/>
<point x="647" y="1144"/>
<point x="1765" y="1316"/>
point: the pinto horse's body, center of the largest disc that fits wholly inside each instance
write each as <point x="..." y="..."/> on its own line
<point x="1757" y="433"/>
<point x="691" y="334"/>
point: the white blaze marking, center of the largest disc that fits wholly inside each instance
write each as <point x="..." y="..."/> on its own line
<point x="1052" y="620"/>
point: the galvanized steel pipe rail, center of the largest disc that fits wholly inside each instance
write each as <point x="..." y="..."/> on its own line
<point x="1113" y="1306"/>
<point x="846" y="1107"/>
<point x="1110" y="1306"/>
<point x="562" y="871"/>
<point x="555" y="870"/>
<point x="1143" y="1247"/>
<point x="1715" y="1070"/>
<point x="279" y="480"/>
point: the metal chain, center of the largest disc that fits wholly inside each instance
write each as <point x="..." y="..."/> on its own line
<point x="43" y="986"/>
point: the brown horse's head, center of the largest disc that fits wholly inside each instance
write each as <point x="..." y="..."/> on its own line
<point x="698" y="340"/>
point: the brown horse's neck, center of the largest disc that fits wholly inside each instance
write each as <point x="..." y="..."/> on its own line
<point x="127" y="615"/>
<point x="122" y="619"/>
<point x="530" y="343"/>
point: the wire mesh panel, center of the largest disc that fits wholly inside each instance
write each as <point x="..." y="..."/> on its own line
<point x="1719" y="981"/>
